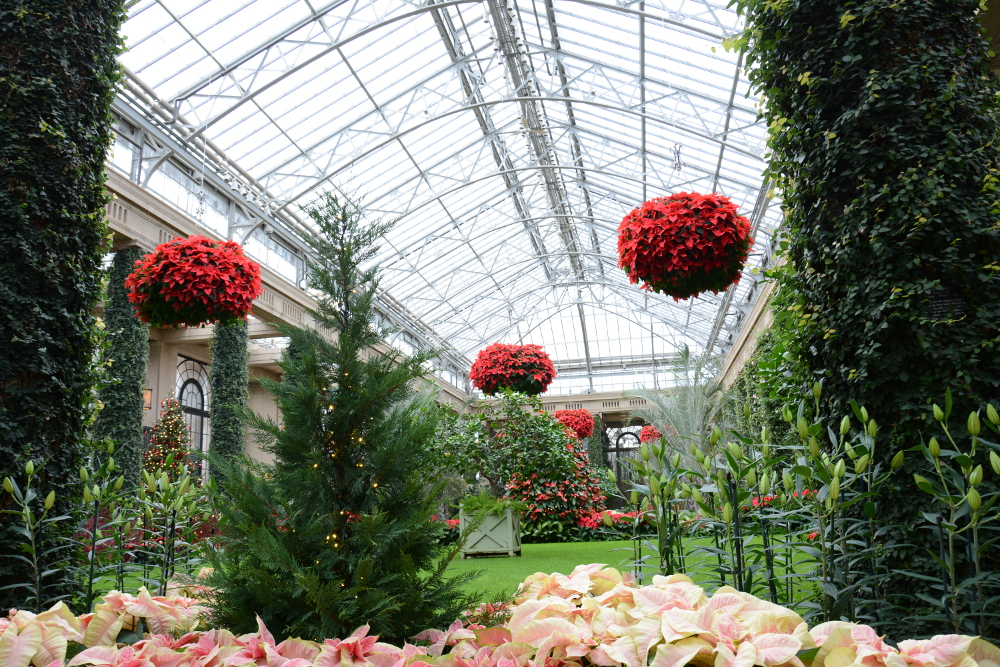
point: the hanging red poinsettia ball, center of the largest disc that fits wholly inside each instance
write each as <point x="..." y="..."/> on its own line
<point x="581" y="422"/>
<point x="649" y="433"/>
<point x="684" y="244"/>
<point x="194" y="281"/>
<point x="523" y="368"/>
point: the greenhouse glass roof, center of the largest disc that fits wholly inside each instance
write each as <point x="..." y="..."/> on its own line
<point x="508" y="136"/>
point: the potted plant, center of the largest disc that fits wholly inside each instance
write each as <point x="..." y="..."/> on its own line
<point x="523" y="454"/>
<point x="469" y="447"/>
<point x="499" y="525"/>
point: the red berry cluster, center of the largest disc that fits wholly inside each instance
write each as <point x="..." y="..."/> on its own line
<point x="524" y="368"/>
<point x="581" y="422"/>
<point x="684" y="244"/>
<point x="194" y="281"/>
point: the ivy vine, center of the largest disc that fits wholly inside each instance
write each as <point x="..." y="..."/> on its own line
<point x="229" y="379"/>
<point x="58" y="71"/>
<point x="883" y="124"/>
<point x="126" y="356"/>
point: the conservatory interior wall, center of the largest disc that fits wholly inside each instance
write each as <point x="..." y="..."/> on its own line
<point x="179" y="358"/>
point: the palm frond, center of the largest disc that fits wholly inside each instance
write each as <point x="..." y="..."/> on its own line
<point x="688" y="411"/>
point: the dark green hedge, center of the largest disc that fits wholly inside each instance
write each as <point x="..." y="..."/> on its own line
<point x="57" y="75"/>
<point x="126" y="356"/>
<point x="884" y="128"/>
<point x="229" y="379"/>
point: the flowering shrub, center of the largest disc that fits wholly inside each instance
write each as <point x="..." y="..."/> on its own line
<point x="531" y="458"/>
<point x="649" y="433"/>
<point x="557" y="494"/>
<point x="684" y="244"/>
<point x="194" y="281"/>
<point x="523" y="368"/>
<point x="597" y="520"/>
<point x="581" y="422"/>
<point x="593" y="616"/>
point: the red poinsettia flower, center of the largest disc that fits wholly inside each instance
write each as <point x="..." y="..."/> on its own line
<point x="684" y="244"/>
<point x="194" y="281"/>
<point x="524" y="368"/>
<point x="649" y="433"/>
<point x="581" y="422"/>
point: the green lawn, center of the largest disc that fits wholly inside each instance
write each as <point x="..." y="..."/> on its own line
<point x="503" y="574"/>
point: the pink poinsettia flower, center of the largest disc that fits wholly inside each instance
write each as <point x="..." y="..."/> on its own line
<point x="849" y="644"/>
<point x="676" y="592"/>
<point x="19" y="644"/>
<point x="439" y="640"/>
<point x="984" y="653"/>
<point x="940" y="651"/>
<point x="128" y="656"/>
<point x="359" y="649"/>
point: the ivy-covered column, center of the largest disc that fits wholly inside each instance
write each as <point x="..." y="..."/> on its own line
<point x="126" y="356"/>
<point x="57" y="77"/>
<point x="229" y="378"/>
<point x="884" y="132"/>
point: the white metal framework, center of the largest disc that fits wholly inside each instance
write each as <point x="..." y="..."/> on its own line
<point x="509" y="137"/>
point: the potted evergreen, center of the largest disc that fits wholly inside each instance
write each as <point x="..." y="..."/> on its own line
<point x="499" y="525"/>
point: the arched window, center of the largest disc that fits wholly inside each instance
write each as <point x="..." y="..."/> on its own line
<point x="193" y="392"/>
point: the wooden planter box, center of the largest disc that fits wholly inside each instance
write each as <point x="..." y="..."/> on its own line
<point x="496" y="536"/>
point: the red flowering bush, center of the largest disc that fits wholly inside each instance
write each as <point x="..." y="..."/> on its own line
<point x="523" y="368"/>
<point x="649" y="433"/>
<point x="543" y="466"/>
<point x="554" y="492"/>
<point x="194" y="281"/>
<point x="450" y="534"/>
<point x="684" y="244"/>
<point x="581" y="422"/>
<point x="619" y="520"/>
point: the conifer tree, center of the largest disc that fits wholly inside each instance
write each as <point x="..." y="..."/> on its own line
<point x="336" y="532"/>
<point x="170" y="436"/>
